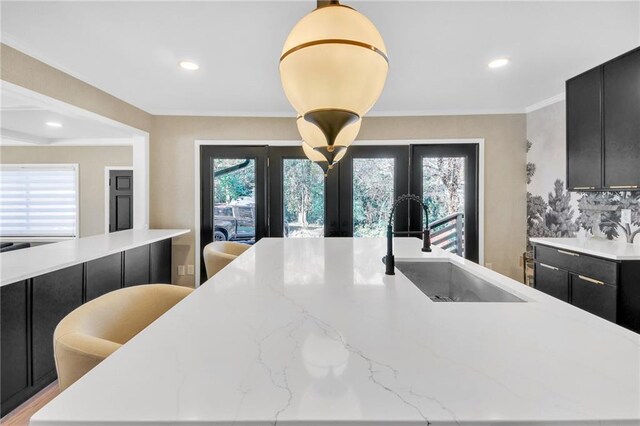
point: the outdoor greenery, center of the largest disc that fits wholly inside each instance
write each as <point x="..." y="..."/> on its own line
<point x="372" y="195"/>
<point x="235" y="185"/>
<point x="373" y="192"/>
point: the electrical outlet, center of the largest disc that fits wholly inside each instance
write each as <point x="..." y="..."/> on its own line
<point x="180" y="270"/>
<point x="489" y="265"/>
<point x="190" y="270"/>
<point x="625" y="216"/>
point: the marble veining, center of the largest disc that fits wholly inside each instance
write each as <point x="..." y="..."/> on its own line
<point x="311" y="331"/>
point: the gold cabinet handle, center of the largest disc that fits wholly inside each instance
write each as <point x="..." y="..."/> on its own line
<point x="591" y="280"/>
<point x="544" y="265"/>
<point x="568" y="253"/>
<point x="584" y="187"/>
<point x="623" y="186"/>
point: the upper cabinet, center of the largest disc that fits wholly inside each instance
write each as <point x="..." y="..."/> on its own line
<point x="584" y="130"/>
<point x="622" y="121"/>
<point x="603" y="126"/>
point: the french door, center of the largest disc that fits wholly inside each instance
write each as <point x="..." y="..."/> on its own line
<point x="233" y="196"/>
<point x="445" y="177"/>
<point x="249" y="192"/>
<point x="371" y="178"/>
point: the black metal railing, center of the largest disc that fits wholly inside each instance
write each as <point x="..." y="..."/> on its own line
<point x="448" y="233"/>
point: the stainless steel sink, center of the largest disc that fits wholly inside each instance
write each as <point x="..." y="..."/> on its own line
<point x="445" y="282"/>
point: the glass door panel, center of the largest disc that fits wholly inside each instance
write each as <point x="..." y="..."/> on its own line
<point x="302" y="198"/>
<point x="232" y="195"/>
<point x="234" y="199"/>
<point x="443" y="189"/>
<point x="371" y="178"/>
<point x="373" y="195"/>
<point x="445" y="176"/>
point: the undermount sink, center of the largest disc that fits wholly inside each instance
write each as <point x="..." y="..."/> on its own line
<point x="445" y="282"/>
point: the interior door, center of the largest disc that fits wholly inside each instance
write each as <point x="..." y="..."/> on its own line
<point x="371" y="178"/>
<point x="445" y="176"/>
<point x="120" y="200"/>
<point x="233" y="201"/>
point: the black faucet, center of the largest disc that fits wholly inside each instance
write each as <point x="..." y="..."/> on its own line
<point x="389" y="260"/>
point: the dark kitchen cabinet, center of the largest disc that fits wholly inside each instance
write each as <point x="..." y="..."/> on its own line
<point x="584" y="130"/>
<point x="594" y="296"/>
<point x="136" y="266"/>
<point x="160" y="262"/>
<point x="606" y="288"/>
<point x="14" y="357"/>
<point x="552" y="280"/>
<point x="622" y="121"/>
<point x="32" y="309"/>
<point x="603" y="126"/>
<point x="103" y="275"/>
<point x="54" y="295"/>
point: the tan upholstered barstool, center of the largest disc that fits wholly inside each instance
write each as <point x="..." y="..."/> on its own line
<point x="98" y="328"/>
<point x="219" y="254"/>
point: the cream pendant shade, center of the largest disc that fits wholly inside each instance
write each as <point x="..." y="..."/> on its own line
<point x="334" y="58"/>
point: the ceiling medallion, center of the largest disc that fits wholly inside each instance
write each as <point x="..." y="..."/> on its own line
<point x="333" y="68"/>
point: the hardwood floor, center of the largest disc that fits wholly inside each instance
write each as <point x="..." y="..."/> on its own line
<point x="21" y="415"/>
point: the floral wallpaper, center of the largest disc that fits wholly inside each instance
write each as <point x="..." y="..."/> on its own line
<point x="554" y="212"/>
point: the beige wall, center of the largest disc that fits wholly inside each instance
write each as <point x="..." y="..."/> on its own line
<point x="91" y="160"/>
<point x="172" y="170"/>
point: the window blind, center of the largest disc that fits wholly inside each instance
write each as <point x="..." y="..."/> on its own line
<point x="39" y="200"/>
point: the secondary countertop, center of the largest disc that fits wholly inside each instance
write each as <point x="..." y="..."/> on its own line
<point x="614" y="250"/>
<point x="311" y="331"/>
<point x="26" y="263"/>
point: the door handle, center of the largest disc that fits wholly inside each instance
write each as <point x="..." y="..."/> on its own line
<point x="584" y="187"/>
<point x="569" y="253"/>
<point x="544" y="265"/>
<point x="591" y="280"/>
<point x="623" y="186"/>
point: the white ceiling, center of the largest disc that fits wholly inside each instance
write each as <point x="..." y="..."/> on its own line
<point x="24" y="118"/>
<point x="438" y="50"/>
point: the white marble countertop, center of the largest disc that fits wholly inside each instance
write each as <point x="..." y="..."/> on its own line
<point x="615" y="250"/>
<point x="311" y="331"/>
<point x="21" y="264"/>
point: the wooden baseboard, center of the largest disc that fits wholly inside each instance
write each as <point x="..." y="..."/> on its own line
<point x="22" y="414"/>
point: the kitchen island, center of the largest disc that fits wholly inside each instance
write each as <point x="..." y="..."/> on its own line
<point x="311" y="331"/>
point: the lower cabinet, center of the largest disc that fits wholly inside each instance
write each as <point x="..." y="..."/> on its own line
<point x="31" y="310"/>
<point x="594" y="296"/>
<point x="54" y="295"/>
<point x="160" y="262"/>
<point x="14" y="358"/>
<point x="103" y="275"/>
<point x="136" y="266"/>
<point x="551" y="280"/>
<point x="606" y="288"/>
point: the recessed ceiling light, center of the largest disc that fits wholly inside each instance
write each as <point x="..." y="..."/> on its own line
<point x="188" y="65"/>
<point x="497" y="63"/>
<point x="53" y="124"/>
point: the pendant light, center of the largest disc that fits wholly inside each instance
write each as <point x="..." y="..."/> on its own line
<point x="333" y="68"/>
<point x="319" y="159"/>
<point x="313" y="136"/>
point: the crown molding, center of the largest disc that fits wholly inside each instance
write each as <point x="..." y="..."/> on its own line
<point x="549" y="101"/>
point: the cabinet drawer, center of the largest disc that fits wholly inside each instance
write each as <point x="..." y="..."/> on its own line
<point x="551" y="280"/>
<point x="579" y="263"/>
<point x="594" y="296"/>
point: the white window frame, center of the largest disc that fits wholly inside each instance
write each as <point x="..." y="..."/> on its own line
<point x="61" y="166"/>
